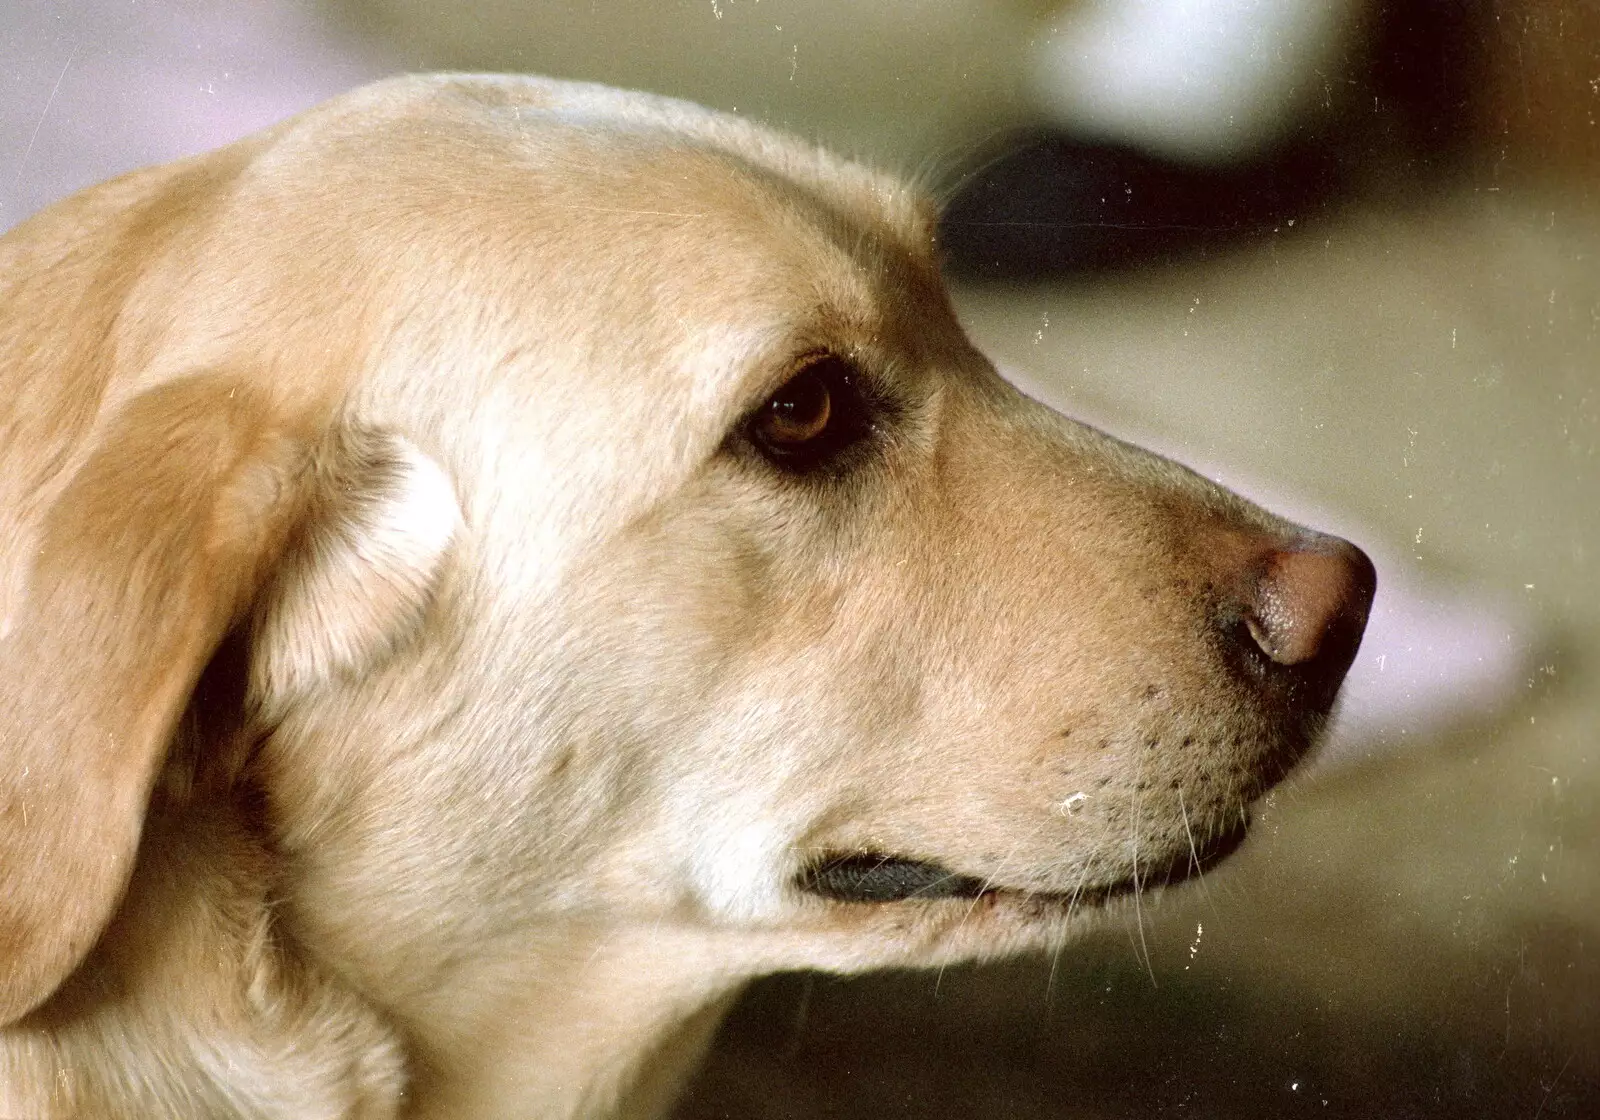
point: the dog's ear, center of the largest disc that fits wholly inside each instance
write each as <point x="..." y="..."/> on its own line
<point x="201" y="498"/>
<point x="361" y="570"/>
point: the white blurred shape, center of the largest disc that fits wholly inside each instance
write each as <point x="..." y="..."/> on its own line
<point x="1209" y="81"/>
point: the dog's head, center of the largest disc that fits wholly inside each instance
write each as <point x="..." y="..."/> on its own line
<point x="590" y="510"/>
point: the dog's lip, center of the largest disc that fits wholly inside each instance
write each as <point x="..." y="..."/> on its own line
<point x="878" y="878"/>
<point x="1170" y="872"/>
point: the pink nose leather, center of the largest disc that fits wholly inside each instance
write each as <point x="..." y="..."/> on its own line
<point x="1312" y="602"/>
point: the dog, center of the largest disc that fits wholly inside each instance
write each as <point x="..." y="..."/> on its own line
<point x="491" y="565"/>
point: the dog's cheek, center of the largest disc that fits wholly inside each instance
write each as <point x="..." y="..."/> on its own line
<point x="635" y="718"/>
<point x="738" y="853"/>
<point x="817" y="743"/>
<point x="747" y="728"/>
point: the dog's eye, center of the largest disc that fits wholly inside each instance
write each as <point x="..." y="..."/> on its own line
<point x="798" y="413"/>
<point x="815" y="415"/>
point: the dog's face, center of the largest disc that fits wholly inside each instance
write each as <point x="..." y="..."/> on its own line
<point x="776" y="611"/>
<point x="675" y="559"/>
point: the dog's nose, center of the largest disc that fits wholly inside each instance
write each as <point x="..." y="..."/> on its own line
<point x="1307" y="608"/>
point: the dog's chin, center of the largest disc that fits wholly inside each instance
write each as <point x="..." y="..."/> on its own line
<point x="880" y="879"/>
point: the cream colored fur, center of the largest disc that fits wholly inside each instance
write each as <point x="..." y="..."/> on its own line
<point x="413" y="700"/>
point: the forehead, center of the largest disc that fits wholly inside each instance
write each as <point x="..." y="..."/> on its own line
<point x="523" y="105"/>
<point x="653" y="233"/>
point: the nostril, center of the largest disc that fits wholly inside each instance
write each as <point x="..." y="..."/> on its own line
<point x="1311" y="604"/>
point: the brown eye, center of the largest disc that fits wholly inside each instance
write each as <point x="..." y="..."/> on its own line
<point x="819" y="414"/>
<point x="797" y="413"/>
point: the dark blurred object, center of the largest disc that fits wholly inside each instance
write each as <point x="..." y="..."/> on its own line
<point x="1426" y="71"/>
<point x="1537" y="113"/>
<point x="1093" y="1037"/>
<point x="1051" y="204"/>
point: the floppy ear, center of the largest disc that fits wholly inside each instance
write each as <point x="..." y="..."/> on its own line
<point x="193" y="500"/>
<point x="361" y="569"/>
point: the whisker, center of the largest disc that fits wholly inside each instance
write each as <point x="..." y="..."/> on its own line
<point x="1138" y="891"/>
<point x="1194" y="853"/>
<point x="1050" y="981"/>
<point x="1077" y="891"/>
<point x="988" y="881"/>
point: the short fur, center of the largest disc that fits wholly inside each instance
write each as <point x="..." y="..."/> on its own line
<point x="415" y="699"/>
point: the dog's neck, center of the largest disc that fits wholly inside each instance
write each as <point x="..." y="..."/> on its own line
<point x="563" y="1020"/>
<point x="581" y="1021"/>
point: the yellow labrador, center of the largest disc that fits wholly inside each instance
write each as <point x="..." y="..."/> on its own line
<point x="491" y="565"/>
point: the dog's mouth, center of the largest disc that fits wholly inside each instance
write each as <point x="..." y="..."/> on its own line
<point x="872" y="877"/>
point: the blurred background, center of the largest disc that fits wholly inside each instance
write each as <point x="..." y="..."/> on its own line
<point x="1342" y="255"/>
